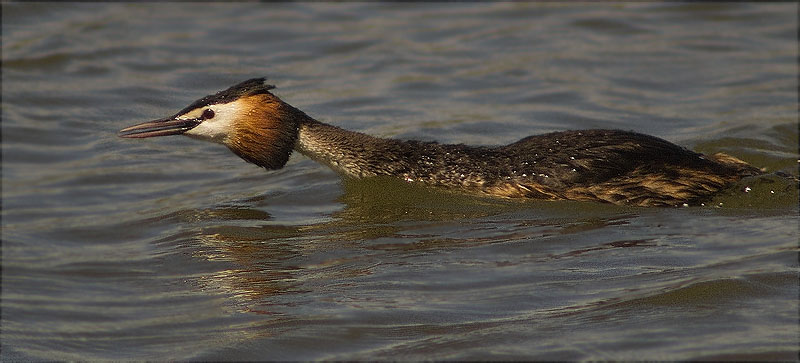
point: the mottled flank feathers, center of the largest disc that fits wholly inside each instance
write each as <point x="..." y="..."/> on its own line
<point x="613" y="166"/>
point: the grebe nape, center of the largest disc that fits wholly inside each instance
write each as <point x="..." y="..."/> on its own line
<point x="614" y="166"/>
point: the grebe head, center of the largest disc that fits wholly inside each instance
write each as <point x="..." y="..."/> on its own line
<point x="247" y="118"/>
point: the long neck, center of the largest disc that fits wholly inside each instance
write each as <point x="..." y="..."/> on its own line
<point x="348" y="152"/>
<point x="360" y="155"/>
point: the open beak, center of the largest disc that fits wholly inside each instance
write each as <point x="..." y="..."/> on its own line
<point x="160" y="127"/>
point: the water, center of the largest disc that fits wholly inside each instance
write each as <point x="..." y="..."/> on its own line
<point x="174" y="249"/>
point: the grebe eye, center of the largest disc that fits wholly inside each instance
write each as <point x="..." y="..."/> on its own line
<point x="207" y="114"/>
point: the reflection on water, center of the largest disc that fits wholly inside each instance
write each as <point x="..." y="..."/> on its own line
<point x="174" y="249"/>
<point x="386" y="222"/>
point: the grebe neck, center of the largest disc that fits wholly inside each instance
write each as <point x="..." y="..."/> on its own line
<point x="359" y="155"/>
<point x="347" y="152"/>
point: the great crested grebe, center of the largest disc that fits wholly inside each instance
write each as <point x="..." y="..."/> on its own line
<point x="619" y="167"/>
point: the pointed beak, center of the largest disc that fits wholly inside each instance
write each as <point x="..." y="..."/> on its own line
<point x="160" y="127"/>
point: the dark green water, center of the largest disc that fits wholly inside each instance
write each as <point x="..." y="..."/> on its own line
<point x="174" y="249"/>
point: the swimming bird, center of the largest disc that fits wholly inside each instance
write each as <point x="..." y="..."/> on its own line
<point x="615" y="166"/>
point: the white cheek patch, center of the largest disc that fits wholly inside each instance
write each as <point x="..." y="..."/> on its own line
<point x="219" y="127"/>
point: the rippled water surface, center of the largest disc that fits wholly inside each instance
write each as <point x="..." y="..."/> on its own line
<point x="176" y="249"/>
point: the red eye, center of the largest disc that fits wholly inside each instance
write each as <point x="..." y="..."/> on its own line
<point x="207" y="114"/>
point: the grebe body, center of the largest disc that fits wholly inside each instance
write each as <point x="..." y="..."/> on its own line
<point x="615" y="166"/>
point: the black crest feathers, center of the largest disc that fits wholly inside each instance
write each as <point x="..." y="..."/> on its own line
<point x="249" y="87"/>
